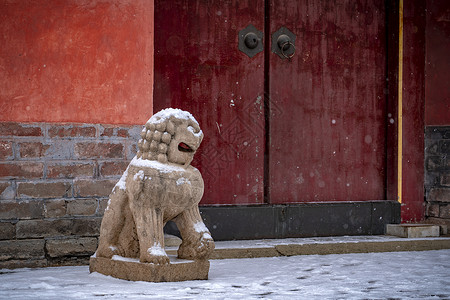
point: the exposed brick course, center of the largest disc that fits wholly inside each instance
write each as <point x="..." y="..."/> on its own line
<point x="437" y="174"/>
<point x="65" y="131"/>
<point x="22" y="249"/>
<point x="90" y="188"/>
<point x="22" y="170"/>
<point x="71" y="247"/>
<point x="82" y="207"/>
<point x="70" y="169"/>
<point x="7" y="190"/>
<point x="56" y="228"/>
<point x="22" y="210"/>
<point x="44" y="189"/>
<point x="32" y="150"/>
<point x="110" y="168"/>
<point x="6" y="150"/>
<point x="18" y="129"/>
<point x="99" y="150"/>
<point x="55" y="180"/>
<point x="55" y="208"/>
<point x="7" y="231"/>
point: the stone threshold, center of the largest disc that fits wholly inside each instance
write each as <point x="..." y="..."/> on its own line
<point x="322" y="246"/>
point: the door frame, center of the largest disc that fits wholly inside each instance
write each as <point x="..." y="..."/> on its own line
<point x="405" y="35"/>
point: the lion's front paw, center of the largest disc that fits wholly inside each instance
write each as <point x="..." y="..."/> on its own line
<point x="107" y="251"/>
<point x="155" y="255"/>
<point x="199" y="249"/>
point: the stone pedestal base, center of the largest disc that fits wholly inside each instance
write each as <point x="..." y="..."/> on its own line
<point x="132" y="269"/>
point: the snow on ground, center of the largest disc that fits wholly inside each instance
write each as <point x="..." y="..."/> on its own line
<point x="397" y="275"/>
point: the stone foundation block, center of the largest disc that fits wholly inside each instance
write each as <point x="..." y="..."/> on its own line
<point x="22" y="249"/>
<point x="71" y="247"/>
<point x="412" y="230"/>
<point x="132" y="269"/>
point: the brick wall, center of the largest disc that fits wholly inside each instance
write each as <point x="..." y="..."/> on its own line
<point x="54" y="185"/>
<point x="437" y="174"/>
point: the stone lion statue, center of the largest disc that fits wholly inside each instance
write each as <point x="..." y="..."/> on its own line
<point x="159" y="185"/>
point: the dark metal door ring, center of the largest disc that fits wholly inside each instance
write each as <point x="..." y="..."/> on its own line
<point x="283" y="43"/>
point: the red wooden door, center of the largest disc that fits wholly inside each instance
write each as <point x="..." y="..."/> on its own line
<point x="198" y="68"/>
<point x="327" y="122"/>
<point x="319" y="133"/>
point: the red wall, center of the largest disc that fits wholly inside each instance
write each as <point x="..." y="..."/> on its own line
<point x="76" y="61"/>
<point x="437" y="68"/>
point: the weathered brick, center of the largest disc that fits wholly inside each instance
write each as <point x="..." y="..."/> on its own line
<point x="44" y="189"/>
<point x="55" y="208"/>
<point x="99" y="150"/>
<point x="431" y="147"/>
<point x="23" y="263"/>
<point x="59" y="227"/>
<point x="103" y="203"/>
<point x="87" y="226"/>
<point x="439" y="195"/>
<point x="93" y="188"/>
<point x="107" y="131"/>
<point x="6" y="150"/>
<point x="433" y="163"/>
<point x="7" y="190"/>
<point x="122" y="132"/>
<point x="21" y="170"/>
<point x="32" y="149"/>
<point x="82" y="207"/>
<point x="444" y="211"/>
<point x="71" y="246"/>
<point x="21" y="210"/>
<point x="60" y="149"/>
<point x="22" y="249"/>
<point x="70" y="169"/>
<point x="113" y="168"/>
<point x="432" y="210"/>
<point x="445" y="179"/>
<point x="18" y="129"/>
<point x="71" y="130"/>
<point x="7" y="231"/>
<point x="445" y="147"/>
<point x="115" y="131"/>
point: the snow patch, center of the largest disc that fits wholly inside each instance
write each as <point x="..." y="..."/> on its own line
<point x="121" y="184"/>
<point x="121" y="258"/>
<point x="165" y="114"/>
<point x="192" y="130"/>
<point x="206" y="236"/>
<point x="163" y="168"/>
<point x="139" y="175"/>
<point x="112" y="248"/>
<point x="200" y="227"/>
<point x="157" y="250"/>
<point x="42" y="285"/>
<point x="182" y="181"/>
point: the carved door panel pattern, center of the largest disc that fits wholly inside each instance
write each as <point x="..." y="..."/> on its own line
<point x="277" y="130"/>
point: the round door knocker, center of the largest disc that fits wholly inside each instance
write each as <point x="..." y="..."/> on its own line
<point x="284" y="48"/>
<point x="283" y="43"/>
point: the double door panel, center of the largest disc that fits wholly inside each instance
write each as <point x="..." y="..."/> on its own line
<point x="309" y="128"/>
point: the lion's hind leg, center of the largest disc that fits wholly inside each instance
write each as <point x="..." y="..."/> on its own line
<point x="197" y="241"/>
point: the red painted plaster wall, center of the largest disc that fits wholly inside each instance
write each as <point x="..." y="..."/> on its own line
<point x="76" y="61"/>
<point x="437" y="68"/>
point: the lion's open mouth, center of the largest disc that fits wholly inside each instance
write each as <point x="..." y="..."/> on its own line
<point x="184" y="148"/>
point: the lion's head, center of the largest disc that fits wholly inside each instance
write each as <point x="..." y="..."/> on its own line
<point x="171" y="135"/>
